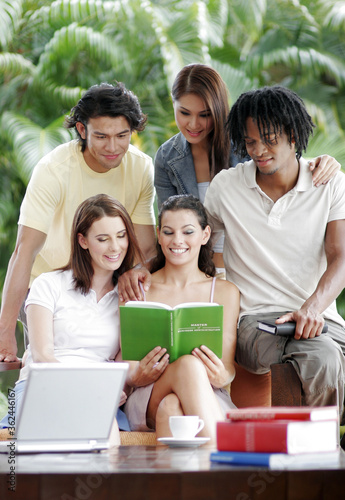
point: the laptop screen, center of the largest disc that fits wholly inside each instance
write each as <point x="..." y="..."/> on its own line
<point x="70" y="403"/>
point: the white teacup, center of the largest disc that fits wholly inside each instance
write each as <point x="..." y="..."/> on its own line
<point x="186" y="426"/>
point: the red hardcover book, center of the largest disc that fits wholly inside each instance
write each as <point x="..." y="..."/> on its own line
<point x="284" y="413"/>
<point x="277" y="436"/>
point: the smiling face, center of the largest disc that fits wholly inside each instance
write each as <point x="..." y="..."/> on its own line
<point x="193" y="118"/>
<point x="181" y="236"/>
<point x="271" y="155"/>
<point x="107" y="242"/>
<point x="107" y="141"/>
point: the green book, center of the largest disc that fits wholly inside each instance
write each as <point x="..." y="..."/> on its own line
<point x="145" y="325"/>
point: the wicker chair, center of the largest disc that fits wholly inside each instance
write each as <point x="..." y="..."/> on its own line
<point x="127" y="438"/>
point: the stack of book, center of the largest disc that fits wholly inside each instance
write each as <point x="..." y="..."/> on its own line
<point x="279" y="437"/>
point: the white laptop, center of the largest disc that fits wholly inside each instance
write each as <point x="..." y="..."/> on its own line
<point x="68" y="408"/>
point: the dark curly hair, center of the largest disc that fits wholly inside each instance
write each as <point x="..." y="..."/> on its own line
<point x="275" y="110"/>
<point x="106" y="100"/>
<point x="186" y="202"/>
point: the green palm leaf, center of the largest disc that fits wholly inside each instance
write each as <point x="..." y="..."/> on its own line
<point x="10" y="14"/>
<point x="236" y="80"/>
<point x="335" y="15"/>
<point x="15" y="64"/>
<point x="61" y="53"/>
<point x="62" y="12"/>
<point x="298" y="61"/>
<point x="31" y="142"/>
<point x="216" y="22"/>
<point x="327" y="144"/>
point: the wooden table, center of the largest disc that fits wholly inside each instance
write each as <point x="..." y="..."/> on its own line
<point x="160" y="473"/>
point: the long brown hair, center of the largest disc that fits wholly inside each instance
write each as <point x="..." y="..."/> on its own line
<point x="206" y="83"/>
<point x="186" y="202"/>
<point x="80" y="262"/>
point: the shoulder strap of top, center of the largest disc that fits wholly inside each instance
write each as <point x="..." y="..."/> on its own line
<point x="142" y="290"/>
<point x="212" y="288"/>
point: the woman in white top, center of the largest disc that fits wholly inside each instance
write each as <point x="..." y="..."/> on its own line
<point x="183" y="271"/>
<point x="72" y="313"/>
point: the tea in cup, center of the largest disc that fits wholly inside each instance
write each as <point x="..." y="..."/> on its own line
<point x="185" y="426"/>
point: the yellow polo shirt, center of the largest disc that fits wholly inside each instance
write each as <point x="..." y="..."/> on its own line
<point x="62" y="180"/>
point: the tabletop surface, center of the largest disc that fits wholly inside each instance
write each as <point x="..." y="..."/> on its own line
<point x="127" y="459"/>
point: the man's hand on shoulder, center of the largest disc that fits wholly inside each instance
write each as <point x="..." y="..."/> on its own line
<point x="128" y="284"/>
<point x="308" y="324"/>
<point x="8" y="347"/>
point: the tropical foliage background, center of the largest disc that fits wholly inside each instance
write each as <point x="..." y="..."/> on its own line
<point x="51" y="51"/>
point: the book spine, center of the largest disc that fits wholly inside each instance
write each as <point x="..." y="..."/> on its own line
<point x="276" y="461"/>
<point x="284" y="413"/>
<point x="173" y="346"/>
<point x="269" y="415"/>
<point x="241" y="458"/>
<point x="252" y="436"/>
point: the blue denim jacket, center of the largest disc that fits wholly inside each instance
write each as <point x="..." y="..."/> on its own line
<point x="174" y="169"/>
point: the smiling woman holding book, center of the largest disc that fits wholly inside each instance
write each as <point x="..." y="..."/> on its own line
<point x="72" y="312"/>
<point x="183" y="271"/>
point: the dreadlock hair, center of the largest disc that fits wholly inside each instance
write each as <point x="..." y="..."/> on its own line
<point x="206" y="83"/>
<point x="80" y="262"/>
<point x="186" y="202"/>
<point x="106" y="100"/>
<point x="275" y="110"/>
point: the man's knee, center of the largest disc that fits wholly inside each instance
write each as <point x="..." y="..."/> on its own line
<point x="320" y="355"/>
<point x="320" y="365"/>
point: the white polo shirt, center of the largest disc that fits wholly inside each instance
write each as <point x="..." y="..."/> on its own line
<point x="84" y="330"/>
<point x="274" y="252"/>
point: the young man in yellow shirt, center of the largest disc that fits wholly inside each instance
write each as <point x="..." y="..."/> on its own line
<point x="100" y="160"/>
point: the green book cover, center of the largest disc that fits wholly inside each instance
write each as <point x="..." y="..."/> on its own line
<point x="145" y="325"/>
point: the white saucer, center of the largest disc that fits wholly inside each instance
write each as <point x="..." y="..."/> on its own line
<point x="175" y="443"/>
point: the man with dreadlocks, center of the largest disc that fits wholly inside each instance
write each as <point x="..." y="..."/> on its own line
<point x="284" y="243"/>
